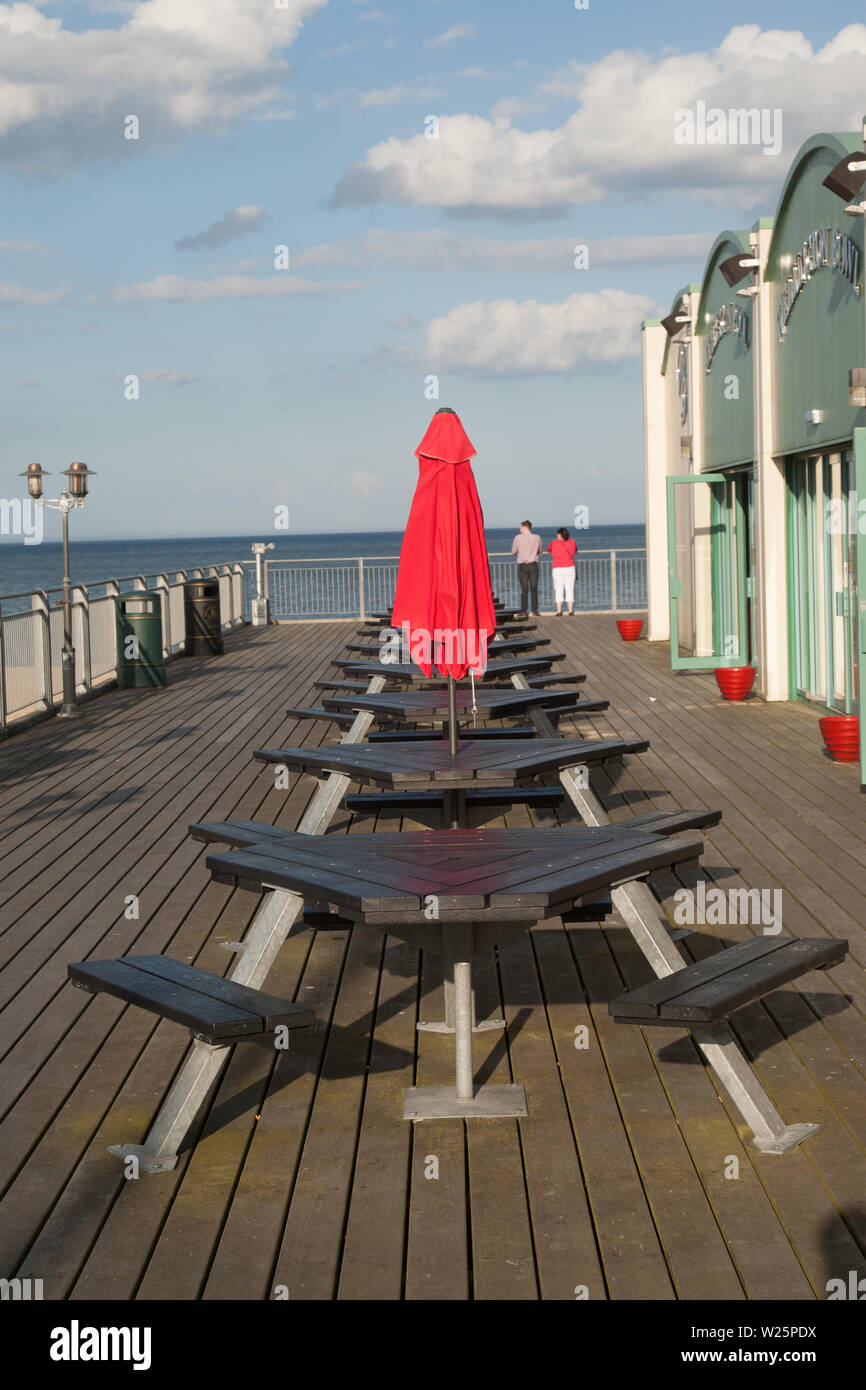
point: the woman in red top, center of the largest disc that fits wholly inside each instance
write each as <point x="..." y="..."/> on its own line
<point x="562" y="552"/>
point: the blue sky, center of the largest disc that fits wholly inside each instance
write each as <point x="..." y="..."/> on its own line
<point x="301" y="123"/>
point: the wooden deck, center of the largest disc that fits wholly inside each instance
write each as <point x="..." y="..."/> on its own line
<point x="305" y="1176"/>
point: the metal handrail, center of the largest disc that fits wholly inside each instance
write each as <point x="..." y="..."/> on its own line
<point x="29" y="651"/>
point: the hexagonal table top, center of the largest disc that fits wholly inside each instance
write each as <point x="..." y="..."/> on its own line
<point x="474" y="875"/>
<point x="413" y="766"/>
<point x="408" y="671"/>
<point x="433" y="704"/>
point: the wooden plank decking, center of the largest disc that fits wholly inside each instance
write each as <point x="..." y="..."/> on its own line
<point x="305" y="1176"/>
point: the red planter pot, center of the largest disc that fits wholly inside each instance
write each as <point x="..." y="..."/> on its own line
<point x="841" y="733"/>
<point x="735" y="682"/>
<point x="629" y="628"/>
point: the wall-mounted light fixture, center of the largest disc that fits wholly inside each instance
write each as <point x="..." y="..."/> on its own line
<point x="845" y="179"/>
<point x="857" y="387"/>
<point x="677" y="320"/>
<point x="736" y="268"/>
<point x="674" y="322"/>
<point x="814" y="417"/>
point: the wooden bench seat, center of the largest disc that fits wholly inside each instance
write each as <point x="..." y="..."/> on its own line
<point x="425" y="735"/>
<point x="214" y="1009"/>
<point x="555" y="712"/>
<point x="349" y="687"/>
<point x="345" y="718"/>
<point x="705" y="995"/>
<point x="673" y="822"/>
<point x="482" y="796"/>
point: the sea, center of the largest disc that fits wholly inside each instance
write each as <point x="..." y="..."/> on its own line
<point x="24" y="568"/>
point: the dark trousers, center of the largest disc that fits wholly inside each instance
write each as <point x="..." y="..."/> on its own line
<point x="528" y="575"/>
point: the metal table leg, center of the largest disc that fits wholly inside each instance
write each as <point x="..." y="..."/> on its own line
<point x="264" y="940"/>
<point x="462" y="1100"/>
<point x="446" y="1025"/>
<point x="642" y="915"/>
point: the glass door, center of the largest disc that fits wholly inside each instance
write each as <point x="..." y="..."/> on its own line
<point x="822" y="522"/>
<point x="858" y="595"/>
<point x="708" y="592"/>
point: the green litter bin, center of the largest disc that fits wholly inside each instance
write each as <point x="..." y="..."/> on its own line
<point x="140" y="662"/>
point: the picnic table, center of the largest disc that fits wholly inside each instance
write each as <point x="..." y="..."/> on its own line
<point x="446" y="705"/>
<point x="508" y="646"/>
<point x="410" y="673"/>
<point x="453" y="892"/>
<point x="430" y="765"/>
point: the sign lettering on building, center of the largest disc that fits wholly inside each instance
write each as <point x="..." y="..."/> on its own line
<point x="824" y="247"/>
<point x="683" y="380"/>
<point x="730" y="319"/>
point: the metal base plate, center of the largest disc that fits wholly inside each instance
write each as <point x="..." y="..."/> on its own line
<point x="441" y="1103"/>
<point x="145" y="1160"/>
<point x="791" y="1135"/>
<point x="443" y="1027"/>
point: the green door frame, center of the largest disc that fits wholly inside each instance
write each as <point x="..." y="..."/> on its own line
<point x="721" y="551"/>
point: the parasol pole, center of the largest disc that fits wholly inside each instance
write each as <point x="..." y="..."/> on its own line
<point x="452" y="716"/>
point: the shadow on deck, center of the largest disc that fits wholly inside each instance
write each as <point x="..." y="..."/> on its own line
<point x="630" y="1179"/>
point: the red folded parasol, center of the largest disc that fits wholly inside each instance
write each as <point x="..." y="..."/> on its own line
<point x="443" y="601"/>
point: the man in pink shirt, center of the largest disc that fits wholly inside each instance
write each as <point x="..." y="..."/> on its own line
<point x="527" y="547"/>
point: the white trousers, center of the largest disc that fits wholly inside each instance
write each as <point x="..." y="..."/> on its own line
<point x="563" y="584"/>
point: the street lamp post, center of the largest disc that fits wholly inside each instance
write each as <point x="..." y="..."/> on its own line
<point x="78" y="474"/>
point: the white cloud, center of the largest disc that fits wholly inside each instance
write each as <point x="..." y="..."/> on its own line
<point x="167" y="378"/>
<point x="178" y="65"/>
<point x="161" y="376"/>
<point x="175" y="287"/>
<point x="383" y="96"/>
<point x="365" y="484"/>
<point x="343" y="48"/>
<point x="20" y="294"/>
<point x="508" y="337"/>
<point x="387" y="96"/>
<point x="331" y="98"/>
<point x="436" y="249"/>
<point x="234" y="224"/>
<point x="611" y="147"/>
<point x="459" y="31"/>
<point x="23" y="247"/>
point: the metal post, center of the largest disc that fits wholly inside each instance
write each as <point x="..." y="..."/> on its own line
<point x="69" y="707"/>
<point x="3" y="677"/>
<point x="164" y="592"/>
<point x="362" y="602"/>
<point x="462" y="1101"/>
<point x="613" y="593"/>
<point x="40" y="604"/>
<point x="458" y="948"/>
<point x="81" y="601"/>
<point x="452" y="716"/>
